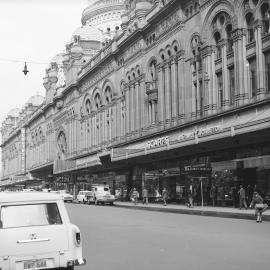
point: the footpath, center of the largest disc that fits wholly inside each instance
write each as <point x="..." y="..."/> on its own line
<point x="224" y="212"/>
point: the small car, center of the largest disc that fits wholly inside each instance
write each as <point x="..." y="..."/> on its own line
<point x="67" y="197"/>
<point x="36" y="233"/>
<point x="103" y="195"/>
<point x="85" y="196"/>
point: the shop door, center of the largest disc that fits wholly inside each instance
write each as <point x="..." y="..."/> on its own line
<point x="201" y="190"/>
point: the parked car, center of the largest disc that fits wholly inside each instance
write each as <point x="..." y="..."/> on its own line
<point x="103" y="195"/>
<point x="85" y="196"/>
<point x="67" y="197"/>
<point x="36" y="232"/>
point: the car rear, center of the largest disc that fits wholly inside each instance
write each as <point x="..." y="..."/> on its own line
<point x="38" y="235"/>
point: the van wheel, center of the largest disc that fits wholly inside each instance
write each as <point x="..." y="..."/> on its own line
<point x="84" y="201"/>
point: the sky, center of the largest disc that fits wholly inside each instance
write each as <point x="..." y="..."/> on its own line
<point x="32" y="31"/>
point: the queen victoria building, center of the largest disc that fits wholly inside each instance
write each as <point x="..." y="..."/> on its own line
<point x="157" y="93"/>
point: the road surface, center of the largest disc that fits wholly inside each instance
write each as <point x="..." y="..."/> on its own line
<point x="127" y="239"/>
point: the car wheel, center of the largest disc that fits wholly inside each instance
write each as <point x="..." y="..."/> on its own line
<point x="111" y="203"/>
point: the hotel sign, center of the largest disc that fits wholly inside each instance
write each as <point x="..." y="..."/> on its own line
<point x="158" y="142"/>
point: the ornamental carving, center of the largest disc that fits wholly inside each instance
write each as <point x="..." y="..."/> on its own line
<point x="98" y="75"/>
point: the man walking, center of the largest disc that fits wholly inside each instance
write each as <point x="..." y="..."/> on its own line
<point x="242" y="197"/>
<point x="145" y="196"/>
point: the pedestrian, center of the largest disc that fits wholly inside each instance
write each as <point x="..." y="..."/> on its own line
<point x="213" y="194"/>
<point x="242" y="198"/>
<point x="165" y="196"/>
<point x="259" y="205"/>
<point x="135" y="196"/>
<point x="190" y="192"/>
<point x="145" y="195"/>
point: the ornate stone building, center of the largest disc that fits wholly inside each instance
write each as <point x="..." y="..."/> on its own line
<point x="178" y="95"/>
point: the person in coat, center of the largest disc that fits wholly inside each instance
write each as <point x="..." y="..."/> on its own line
<point x="259" y="205"/>
<point x="242" y="198"/>
<point x="135" y="196"/>
<point x="145" y="195"/>
<point x="165" y="196"/>
<point x="213" y="194"/>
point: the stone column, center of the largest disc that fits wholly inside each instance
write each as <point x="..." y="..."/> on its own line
<point x="143" y="105"/>
<point x="149" y="114"/>
<point x="180" y="85"/>
<point x="174" y="88"/>
<point x="167" y="93"/>
<point x="225" y="76"/>
<point x="193" y="92"/>
<point x="240" y="66"/>
<point x="132" y="107"/>
<point x="138" y="105"/>
<point x="160" y="93"/>
<point x="127" y="110"/>
<point x="259" y="60"/>
<point x="198" y="93"/>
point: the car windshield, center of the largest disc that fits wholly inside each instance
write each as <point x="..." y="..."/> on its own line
<point x="26" y="215"/>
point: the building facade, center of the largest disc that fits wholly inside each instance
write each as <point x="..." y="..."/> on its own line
<point x="176" y="96"/>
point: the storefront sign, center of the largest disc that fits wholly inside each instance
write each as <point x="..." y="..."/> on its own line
<point x="158" y="142"/>
<point x="197" y="169"/>
<point x="186" y="136"/>
<point x="209" y="131"/>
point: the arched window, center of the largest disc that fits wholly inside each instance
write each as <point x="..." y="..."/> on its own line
<point x="265" y="14"/>
<point x="88" y="106"/>
<point x="229" y="38"/>
<point x="97" y="101"/>
<point x="153" y="70"/>
<point x="250" y="27"/>
<point x="217" y="38"/>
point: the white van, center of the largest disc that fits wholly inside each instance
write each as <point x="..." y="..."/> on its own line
<point x="36" y="233"/>
<point x="85" y="196"/>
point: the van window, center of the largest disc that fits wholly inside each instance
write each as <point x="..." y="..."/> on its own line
<point x="13" y="216"/>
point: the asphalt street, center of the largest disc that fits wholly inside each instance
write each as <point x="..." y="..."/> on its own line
<point x="119" y="238"/>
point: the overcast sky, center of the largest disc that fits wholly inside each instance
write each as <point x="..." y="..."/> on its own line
<point x="32" y="31"/>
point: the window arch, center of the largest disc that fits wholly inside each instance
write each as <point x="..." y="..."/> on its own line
<point x="88" y="107"/>
<point x="108" y="95"/>
<point x="250" y="27"/>
<point x="97" y="101"/>
<point x="229" y="37"/>
<point x="265" y="15"/>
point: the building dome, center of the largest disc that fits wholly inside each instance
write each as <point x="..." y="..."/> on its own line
<point x="103" y="14"/>
<point x="14" y="112"/>
<point x="87" y="33"/>
<point x="35" y="100"/>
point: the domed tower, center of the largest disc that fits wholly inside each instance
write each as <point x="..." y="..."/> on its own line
<point x="134" y="15"/>
<point x="104" y="15"/>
